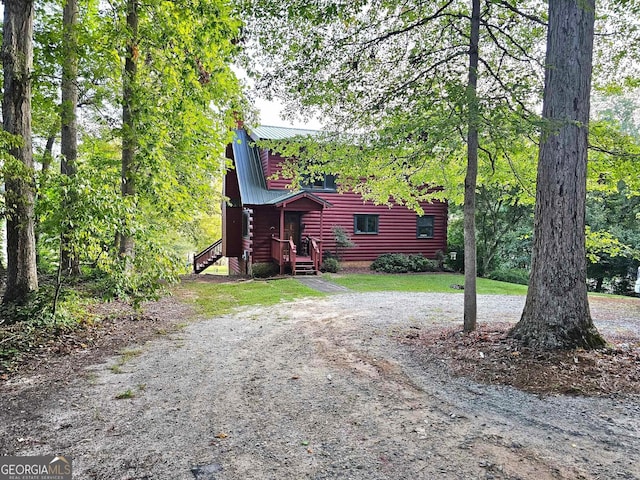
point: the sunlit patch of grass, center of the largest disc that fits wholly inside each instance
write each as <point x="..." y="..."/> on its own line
<point x="438" y="283"/>
<point x="214" y="299"/>
<point x="125" y="395"/>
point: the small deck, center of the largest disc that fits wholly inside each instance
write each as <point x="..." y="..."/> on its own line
<point x="284" y="253"/>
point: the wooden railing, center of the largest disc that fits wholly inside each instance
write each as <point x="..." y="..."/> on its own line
<point x="292" y="255"/>
<point x="207" y="256"/>
<point x="315" y="251"/>
<point x="283" y="252"/>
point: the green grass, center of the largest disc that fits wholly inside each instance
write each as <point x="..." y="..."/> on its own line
<point x="217" y="270"/>
<point x="125" y="356"/>
<point x="439" y="282"/>
<point x="125" y="395"/>
<point x="214" y="299"/>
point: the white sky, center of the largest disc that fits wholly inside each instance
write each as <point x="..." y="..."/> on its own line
<point x="270" y="115"/>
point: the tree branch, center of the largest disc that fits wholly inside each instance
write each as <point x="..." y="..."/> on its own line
<point x="423" y="21"/>
<point x="533" y="18"/>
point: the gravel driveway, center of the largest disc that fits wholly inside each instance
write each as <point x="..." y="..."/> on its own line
<point x="323" y="389"/>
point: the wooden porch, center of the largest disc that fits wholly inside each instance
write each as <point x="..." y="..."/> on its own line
<point x="285" y="254"/>
<point x="290" y="250"/>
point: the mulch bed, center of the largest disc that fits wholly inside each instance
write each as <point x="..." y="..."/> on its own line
<point x="490" y="356"/>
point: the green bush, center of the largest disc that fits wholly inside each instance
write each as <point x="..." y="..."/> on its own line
<point x="330" y="264"/>
<point x="401" y="263"/>
<point x="342" y="239"/>
<point x="512" y="275"/>
<point x="264" y="270"/>
<point x="418" y="263"/>
<point x="391" y="263"/>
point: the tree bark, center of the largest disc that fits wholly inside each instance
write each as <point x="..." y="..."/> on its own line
<point x="17" y="61"/>
<point x="556" y="313"/>
<point x="69" y="124"/>
<point x="46" y="161"/>
<point x="47" y="155"/>
<point x="470" y="181"/>
<point x="129" y="118"/>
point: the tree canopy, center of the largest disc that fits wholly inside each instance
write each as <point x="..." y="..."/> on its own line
<point x="186" y="97"/>
<point x="389" y="80"/>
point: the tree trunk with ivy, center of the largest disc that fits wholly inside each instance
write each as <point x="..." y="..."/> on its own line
<point x="17" y="61"/>
<point x="556" y="313"/>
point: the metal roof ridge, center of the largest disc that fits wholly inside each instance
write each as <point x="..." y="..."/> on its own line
<point x="272" y="132"/>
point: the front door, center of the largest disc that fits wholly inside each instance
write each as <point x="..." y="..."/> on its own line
<point x="292" y="227"/>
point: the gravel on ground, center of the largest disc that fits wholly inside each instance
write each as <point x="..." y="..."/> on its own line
<point x="320" y="389"/>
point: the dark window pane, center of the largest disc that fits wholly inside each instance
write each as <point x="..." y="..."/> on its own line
<point x="365" y="224"/>
<point x="245" y="224"/>
<point x="323" y="182"/>
<point x="425" y="226"/>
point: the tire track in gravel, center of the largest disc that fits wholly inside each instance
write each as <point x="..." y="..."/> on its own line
<point x="323" y="389"/>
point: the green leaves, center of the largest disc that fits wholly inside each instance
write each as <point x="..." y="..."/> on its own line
<point x="185" y="99"/>
<point x="393" y="75"/>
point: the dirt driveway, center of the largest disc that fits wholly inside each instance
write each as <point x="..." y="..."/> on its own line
<point x="322" y="389"/>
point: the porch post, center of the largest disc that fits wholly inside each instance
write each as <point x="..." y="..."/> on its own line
<point x="281" y="237"/>
<point x="321" y="222"/>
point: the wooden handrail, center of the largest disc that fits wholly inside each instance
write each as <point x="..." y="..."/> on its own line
<point x="292" y="255"/>
<point x="277" y="252"/>
<point x="201" y="259"/>
<point x="315" y="252"/>
<point x="283" y="252"/>
<point x="217" y="245"/>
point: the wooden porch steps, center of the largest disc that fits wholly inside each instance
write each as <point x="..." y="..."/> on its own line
<point x="207" y="257"/>
<point x="304" y="266"/>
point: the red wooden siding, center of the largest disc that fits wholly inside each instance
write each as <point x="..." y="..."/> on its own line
<point x="266" y="222"/>
<point x="302" y="204"/>
<point x="274" y="167"/>
<point x="264" y="161"/>
<point x="397" y="228"/>
<point x="234" y="266"/>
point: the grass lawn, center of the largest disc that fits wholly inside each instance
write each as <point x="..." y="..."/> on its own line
<point x="437" y="282"/>
<point x="214" y="299"/>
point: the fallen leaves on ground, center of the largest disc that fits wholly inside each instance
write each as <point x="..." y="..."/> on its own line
<point x="490" y="356"/>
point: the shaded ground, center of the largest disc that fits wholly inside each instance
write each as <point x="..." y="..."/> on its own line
<point x="360" y="386"/>
<point x="491" y="357"/>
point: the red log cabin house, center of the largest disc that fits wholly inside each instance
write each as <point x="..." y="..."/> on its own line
<point x="264" y="221"/>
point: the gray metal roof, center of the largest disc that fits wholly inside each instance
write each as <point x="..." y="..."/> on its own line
<point x="291" y="195"/>
<point x="253" y="187"/>
<point x="268" y="132"/>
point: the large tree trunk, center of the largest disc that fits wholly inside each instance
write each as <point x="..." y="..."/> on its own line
<point x="129" y="118"/>
<point x="556" y="313"/>
<point x="17" y="61"/>
<point x="69" y="131"/>
<point x="470" y="181"/>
